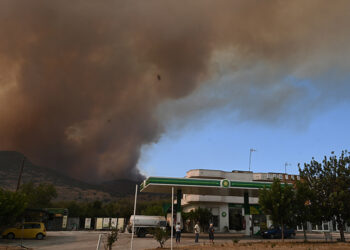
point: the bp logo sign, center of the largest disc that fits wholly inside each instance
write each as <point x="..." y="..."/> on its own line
<point x="225" y="183"/>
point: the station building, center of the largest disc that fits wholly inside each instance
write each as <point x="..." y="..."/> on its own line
<point x="232" y="213"/>
<point x="232" y="197"/>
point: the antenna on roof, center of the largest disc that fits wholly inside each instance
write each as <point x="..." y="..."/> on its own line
<point x="250" y="156"/>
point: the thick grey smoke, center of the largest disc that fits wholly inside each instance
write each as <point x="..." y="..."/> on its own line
<point x="81" y="82"/>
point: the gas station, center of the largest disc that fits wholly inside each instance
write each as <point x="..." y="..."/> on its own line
<point x="232" y="197"/>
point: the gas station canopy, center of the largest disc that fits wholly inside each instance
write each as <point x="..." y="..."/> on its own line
<point x="222" y="187"/>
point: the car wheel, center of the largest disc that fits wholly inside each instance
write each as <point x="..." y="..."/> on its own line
<point x="10" y="236"/>
<point x="141" y="233"/>
<point x="39" y="236"/>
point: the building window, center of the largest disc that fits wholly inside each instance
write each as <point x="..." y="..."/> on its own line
<point x="215" y="220"/>
<point x="324" y="226"/>
<point x="236" y="220"/>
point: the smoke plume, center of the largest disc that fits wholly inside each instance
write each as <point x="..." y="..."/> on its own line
<point x="81" y="82"/>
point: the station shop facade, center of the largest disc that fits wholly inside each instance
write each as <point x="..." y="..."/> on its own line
<point x="232" y="197"/>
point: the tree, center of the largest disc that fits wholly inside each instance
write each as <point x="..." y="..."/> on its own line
<point x="110" y="209"/>
<point x="38" y="196"/>
<point x="277" y="202"/>
<point x="305" y="208"/>
<point x="75" y="209"/>
<point x="153" y="210"/>
<point x="12" y="206"/>
<point x="161" y="235"/>
<point x="330" y="179"/>
<point x="112" y="237"/>
<point x="125" y="208"/>
<point x="202" y="215"/>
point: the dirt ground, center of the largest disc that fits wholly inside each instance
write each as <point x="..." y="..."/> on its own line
<point x="13" y="248"/>
<point x="270" y="245"/>
<point x="87" y="240"/>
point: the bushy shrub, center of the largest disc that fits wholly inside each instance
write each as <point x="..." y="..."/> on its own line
<point x="112" y="237"/>
<point x="235" y="241"/>
<point x="161" y="235"/>
<point x="12" y="206"/>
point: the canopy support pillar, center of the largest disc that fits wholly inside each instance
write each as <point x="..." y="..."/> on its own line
<point x="178" y="207"/>
<point x="247" y="216"/>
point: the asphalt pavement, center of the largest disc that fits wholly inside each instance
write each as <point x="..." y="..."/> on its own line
<point x="87" y="240"/>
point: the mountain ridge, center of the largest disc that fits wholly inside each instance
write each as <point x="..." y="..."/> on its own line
<point x="67" y="187"/>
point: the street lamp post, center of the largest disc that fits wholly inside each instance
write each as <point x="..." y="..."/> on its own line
<point x="250" y="156"/>
<point x="285" y="167"/>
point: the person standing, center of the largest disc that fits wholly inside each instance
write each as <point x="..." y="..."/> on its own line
<point x="197" y="231"/>
<point x="178" y="232"/>
<point x="211" y="233"/>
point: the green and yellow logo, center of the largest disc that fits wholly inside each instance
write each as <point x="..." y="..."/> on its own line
<point x="225" y="183"/>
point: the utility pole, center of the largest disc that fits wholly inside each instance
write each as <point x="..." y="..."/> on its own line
<point x="133" y="222"/>
<point x="20" y="174"/>
<point x="250" y="156"/>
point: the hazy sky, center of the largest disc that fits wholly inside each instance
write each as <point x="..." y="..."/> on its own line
<point x="224" y="144"/>
<point x="105" y="89"/>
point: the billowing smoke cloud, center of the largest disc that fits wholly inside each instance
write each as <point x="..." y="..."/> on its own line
<point x="81" y="81"/>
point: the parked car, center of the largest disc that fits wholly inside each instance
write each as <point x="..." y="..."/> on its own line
<point x="27" y="230"/>
<point x="275" y="232"/>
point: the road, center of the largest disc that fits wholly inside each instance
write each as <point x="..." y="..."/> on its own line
<point x="80" y="240"/>
<point x="87" y="240"/>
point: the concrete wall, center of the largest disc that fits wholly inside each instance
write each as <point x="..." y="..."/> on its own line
<point x="188" y="198"/>
<point x="218" y="174"/>
<point x="73" y="223"/>
<point x="223" y="220"/>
